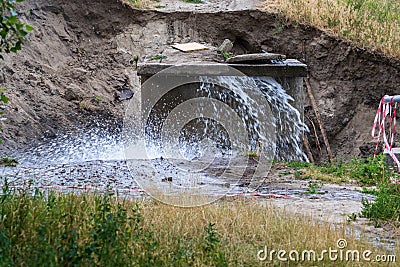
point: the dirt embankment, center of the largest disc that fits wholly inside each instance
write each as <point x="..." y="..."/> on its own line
<point x="80" y="55"/>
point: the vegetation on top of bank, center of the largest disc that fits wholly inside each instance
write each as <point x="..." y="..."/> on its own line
<point x="147" y="3"/>
<point x="367" y="23"/>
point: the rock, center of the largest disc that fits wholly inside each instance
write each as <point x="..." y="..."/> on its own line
<point x="71" y="93"/>
<point x="167" y="180"/>
<point x="2" y="78"/>
<point x="33" y="83"/>
<point x="50" y="88"/>
<point x="33" y="77"/>
<point x="125" y="93"/>
<point x="367" y="149"/>
<point x="76" y="73"/>
<point x="256" y="57"/>
<point x="226" y="46"/>
<point x="266" y="48"/>
<point x="91" y="66"/>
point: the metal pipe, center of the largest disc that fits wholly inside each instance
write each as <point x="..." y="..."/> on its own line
<point x="396" y="98"/>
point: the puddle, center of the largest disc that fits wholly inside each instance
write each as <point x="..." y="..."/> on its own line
<point x="68" y="164"/>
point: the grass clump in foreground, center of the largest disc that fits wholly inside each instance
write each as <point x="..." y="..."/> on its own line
<point x="368" y="23"/>
<point x="102" y="230"/>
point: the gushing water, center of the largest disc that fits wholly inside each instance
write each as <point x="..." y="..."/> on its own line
<point x="290" y="127"/>
<point x="240" y="114"/>
<point x="284" y="117"/>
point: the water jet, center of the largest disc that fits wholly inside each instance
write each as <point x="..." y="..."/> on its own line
<point x="287" y="73"/>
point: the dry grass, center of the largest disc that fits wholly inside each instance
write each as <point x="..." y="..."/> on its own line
<point x="245" y="227"/>
<point x="367" y="23"/>
<point x="316" y="174"/>
<point x="88" y="230"/>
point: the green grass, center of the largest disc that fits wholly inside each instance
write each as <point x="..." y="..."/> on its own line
<point x="99" y="99"/>
<point x="158" y="57"/>
<point x="365" y="172"/>
<point x="226" y="55"/>
<point x="313" y="188"/>
<point x="137" y="3"/>
<point x="143" y="3"/>
<point x="8" y="162"/>
<point x="386" y="207"/>
<point x="71" y="230"/>
<point x="298" y="164"/>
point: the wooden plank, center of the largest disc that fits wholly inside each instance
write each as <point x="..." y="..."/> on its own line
<point x="255" y="57"/>
<point x="318" y="116"/>
<point x="190" y="47"/>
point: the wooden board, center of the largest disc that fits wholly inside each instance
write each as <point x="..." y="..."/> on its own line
<point x="255" y="57"/>
<point x="190" y="47"/>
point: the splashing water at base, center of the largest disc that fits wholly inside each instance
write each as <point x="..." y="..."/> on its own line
<point x="95" y="157"/>
<point x="83" y="145"/>
<point x="84" y="159"/>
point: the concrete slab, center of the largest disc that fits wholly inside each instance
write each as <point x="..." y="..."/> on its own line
<point x="286" y="68"/>
<point x="201" y="60"/>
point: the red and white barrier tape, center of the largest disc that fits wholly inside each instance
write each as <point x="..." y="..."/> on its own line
<point x="386" y="110"/>
<point x="254" y="195"/>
